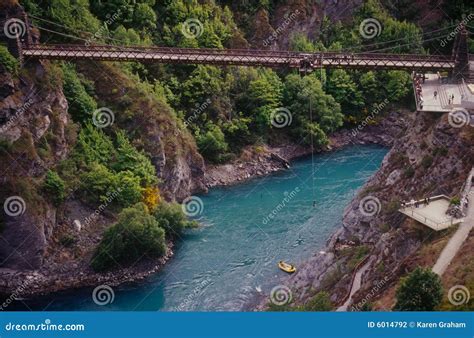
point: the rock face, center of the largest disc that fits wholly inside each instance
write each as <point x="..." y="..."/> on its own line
<point x="36" y="133"/>
<point x="428" y="157"/>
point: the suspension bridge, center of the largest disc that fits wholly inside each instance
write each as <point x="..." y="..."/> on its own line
<point x="24" y="48"/>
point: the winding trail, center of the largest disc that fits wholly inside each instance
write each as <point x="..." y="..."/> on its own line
<point x="355" y="285"/>
<point x="455" y="243"/>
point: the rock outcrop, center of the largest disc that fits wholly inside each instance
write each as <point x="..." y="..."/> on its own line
<point x="428" y="157"/>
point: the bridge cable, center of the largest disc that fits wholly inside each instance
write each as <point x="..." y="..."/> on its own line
<point x="407" y="44"/>
<point x="73" y="29"/>
<point x="404" y="38"/>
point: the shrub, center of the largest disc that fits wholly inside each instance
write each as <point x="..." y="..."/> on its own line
<point x="135" y="235"/>
<point x="455" y="201"/>
<point x="320" y="302"/>
<point x="67" y="240"/>
<point x="421" y="290"/>
<point x="151" y="197"/>
<point x="171" y="218"/>
<point x="81" y="104"/>
<point x="8" y="61"/>
<point x="54" y="187"/>
<point x="408" y="172"/>
<point x="212" y="144"/>
<point x="427" y="161"/>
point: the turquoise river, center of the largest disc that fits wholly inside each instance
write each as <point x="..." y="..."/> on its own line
<point x="246" y="229"/>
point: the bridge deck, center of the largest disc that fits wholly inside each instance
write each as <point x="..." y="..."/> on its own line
<point x="240" y="57"/>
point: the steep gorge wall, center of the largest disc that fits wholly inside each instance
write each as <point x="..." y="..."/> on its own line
<point x="37" y="132"/>
<point x="428" y="157"/>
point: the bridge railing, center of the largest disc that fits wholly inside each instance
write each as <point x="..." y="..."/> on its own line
<point x="243" y="52"/>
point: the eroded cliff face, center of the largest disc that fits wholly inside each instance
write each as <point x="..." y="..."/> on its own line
<point x="428" y="157"/>
<point x="37" y="133"/>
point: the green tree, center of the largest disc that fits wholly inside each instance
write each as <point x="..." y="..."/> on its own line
<point x="170" y="217"/>
<point x="81" y="104"/>
<point x="136" y="235"/>
<point x="345" y="92"/>
<point x="94" y="146"/>
<point x="129" y="158"/>
<point x="302" y="93"/>
<point x="421" y="290"/>
<point x="212" y="144"/>
<point x="54" y="187"/>
<point x="8" y="61"/>
<point x="398" y="84"/>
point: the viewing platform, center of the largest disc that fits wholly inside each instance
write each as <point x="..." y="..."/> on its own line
<point x="431" y="214"/>
<point x="443" y="101"/>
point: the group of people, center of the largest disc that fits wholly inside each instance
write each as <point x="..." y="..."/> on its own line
<point x="416" y="204"/>
<point x="418" y="80"/>
<point x="451" y="99"/>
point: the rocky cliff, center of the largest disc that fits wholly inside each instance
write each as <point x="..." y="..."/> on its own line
<point x="428" y="157"/>
<point x="37" y="132"/>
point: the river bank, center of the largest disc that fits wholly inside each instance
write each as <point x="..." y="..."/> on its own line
<point x="428" y="157"/>
<point x="65" y="269"/>
<point x="256" y="161"/>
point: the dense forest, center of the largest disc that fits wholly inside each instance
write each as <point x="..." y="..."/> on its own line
<point x="219" y="109"/>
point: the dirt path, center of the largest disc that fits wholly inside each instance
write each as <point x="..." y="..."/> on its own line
<point x="454" y="244"/>
<point x="355" y="285"/>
